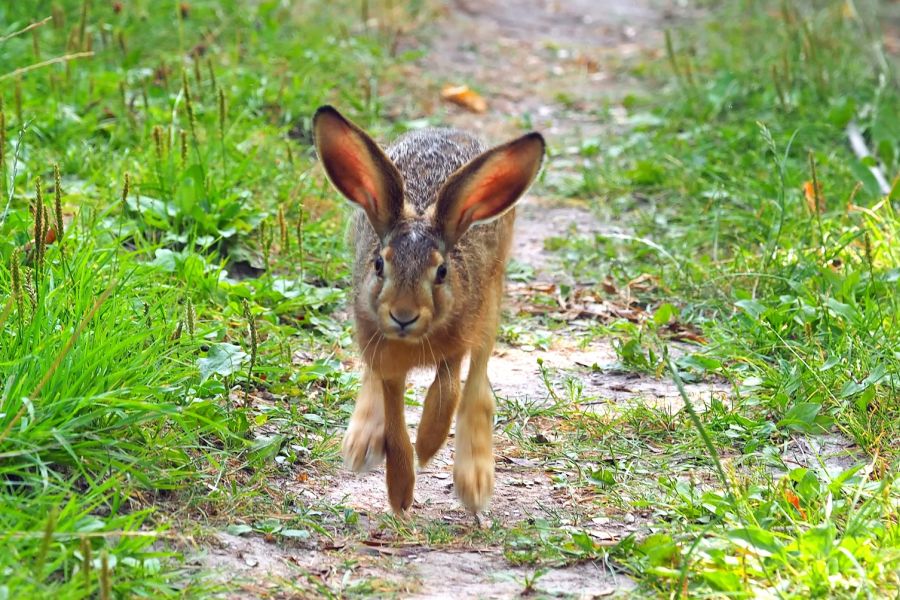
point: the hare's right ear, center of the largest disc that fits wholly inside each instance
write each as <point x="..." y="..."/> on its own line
<point x="488" y="186"/>
<point x="358" y="168"/>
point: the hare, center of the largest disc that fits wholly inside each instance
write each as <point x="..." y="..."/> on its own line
<point x="431" y="245"/>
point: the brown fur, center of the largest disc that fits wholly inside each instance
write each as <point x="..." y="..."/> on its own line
<point x="406" y="316"/>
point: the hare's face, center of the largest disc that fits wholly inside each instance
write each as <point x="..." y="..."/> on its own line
<point x="409" y="284"/>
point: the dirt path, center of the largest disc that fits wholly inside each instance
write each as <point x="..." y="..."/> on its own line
<point x="552" y="63"/>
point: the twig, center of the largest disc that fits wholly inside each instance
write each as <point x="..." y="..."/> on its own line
<point x="51" y="61"/>
<point x="858" y="143"/>
<point x="34" y="25"/>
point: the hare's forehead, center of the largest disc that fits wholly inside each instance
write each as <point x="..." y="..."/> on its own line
<point x="413" y="248"/>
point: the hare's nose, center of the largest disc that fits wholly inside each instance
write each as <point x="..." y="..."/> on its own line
<point x="404" y="317"/>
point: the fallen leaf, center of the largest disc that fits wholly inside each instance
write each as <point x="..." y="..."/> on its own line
<point x="463" y="96"/>
<point x="608" y="286"/>
<point x="589" y="64"/>
<point x="642" y="283"/>
<point x="794" y="500"/>
<point x="815" y="201"/>
<point x="684" y="332"/>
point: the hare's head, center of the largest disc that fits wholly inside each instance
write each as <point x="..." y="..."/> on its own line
<point x="411" y="280"/>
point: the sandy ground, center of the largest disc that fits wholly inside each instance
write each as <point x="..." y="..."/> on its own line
<point x="551" y="63"/>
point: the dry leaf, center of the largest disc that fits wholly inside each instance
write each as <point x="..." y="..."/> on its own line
<point x="815" y="201"/>
<point x="461" y="95"/>
<point x="794" y="500"/>
<point x="642" y="283"/>
<point x="589" y="64"/>
<point x="609" y="286"/>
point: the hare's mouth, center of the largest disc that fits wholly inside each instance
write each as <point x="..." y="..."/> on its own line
<point x="405" y="334"/>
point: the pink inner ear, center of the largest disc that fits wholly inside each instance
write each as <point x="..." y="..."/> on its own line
<point x="492" y="194"/>
<point x="354" y="177"/>
<point x="351" y="174"/>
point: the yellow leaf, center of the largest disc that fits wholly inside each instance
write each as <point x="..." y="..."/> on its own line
<point x="461" y="95"/>
<point x="815" y="201"/>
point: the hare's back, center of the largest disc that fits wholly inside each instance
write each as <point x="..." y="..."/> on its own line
<point x="426" y="157"/>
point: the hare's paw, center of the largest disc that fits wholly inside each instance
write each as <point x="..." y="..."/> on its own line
<point x="401" y="477"/>
<point x="363" y="447"/>
<point x="473" y="479"/>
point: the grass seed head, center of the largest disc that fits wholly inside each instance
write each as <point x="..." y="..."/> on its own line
<point x="105" y="580"/>
<point x="82" y="25"/>
<point x="39" y="226"/>
<point x="254" y="339"/>
<point x="126" y="185"/>
<point x="197" y="75"/>
<point x="300" y="232"/>
<point x="251" y="323"/>
<point x="57" y="203"/>
<point x="190" y="316"/>
<point x="88" y="43"/>
<point x="212" y="74"/>
<point x="86" y="563"/>
<point x="266" y="239"/>
<point x="157" y="141"/>
<point x="176" y="335"/>
<point x="45" y="544"/>
<point x="123" y="96"/>
<point x="188" y="104"/>
<point x="36" y="43"/>
<point x="283" y="228"/>
<point x="222" y="113"/>
<point x="290" y="153"/>
<point x="28" y="286"/>
<point x="59" y="17"/>
<point x="18" y="290"/>
<point x="49" y="231"/>
<point x="145" y="98"/>
<point x="17" y="97"/>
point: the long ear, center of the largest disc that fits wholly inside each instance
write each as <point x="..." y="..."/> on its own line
<point x="358" y="168"/>
<point x="488" y="185"/>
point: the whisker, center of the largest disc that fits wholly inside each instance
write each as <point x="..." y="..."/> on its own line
<point x="377" y="345"/>
<point x="438" y="373"/>
<point x="372" y="337"/>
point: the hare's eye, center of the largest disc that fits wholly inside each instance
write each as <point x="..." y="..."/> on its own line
<point x="441" y="274"/>
<point x="379" y="266"/>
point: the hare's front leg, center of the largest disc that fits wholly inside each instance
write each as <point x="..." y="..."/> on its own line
<point x="473" y="468"/>
<point x="440" y="405"/>
<point x="363" y="447"/>
<point x="401" y="477"/>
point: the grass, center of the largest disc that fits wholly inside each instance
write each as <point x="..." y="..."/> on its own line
<point x="130" y="375"/>
<point x="176" y="348"/>
<point x="762" y="229"/>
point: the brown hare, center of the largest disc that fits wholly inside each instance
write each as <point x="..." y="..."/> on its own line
<point x="431" y="242"/>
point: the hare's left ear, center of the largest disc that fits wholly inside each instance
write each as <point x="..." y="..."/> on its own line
<point x="359" y="169"/>
<point x="488" y="185"/>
